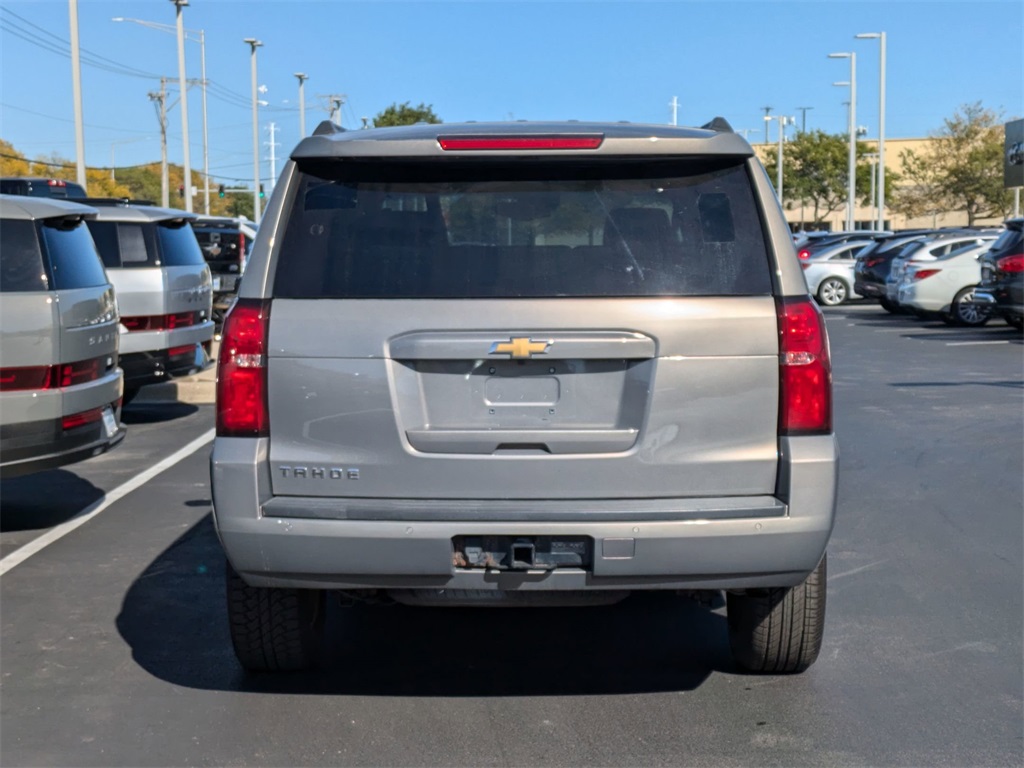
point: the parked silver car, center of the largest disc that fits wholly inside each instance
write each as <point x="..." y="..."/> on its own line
<point x="60" y="385"/>
<point x="829" y="272"/>
<point x="524" y="363"/>
<point x="164" y="290"/>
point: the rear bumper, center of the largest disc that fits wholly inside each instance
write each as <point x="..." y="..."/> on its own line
<point x="999" y="300"/>
<point x="869" y="290"/>
<point x="36" y="446"/>
<point x="141" y="368"/>
<point x="723" y="543"/>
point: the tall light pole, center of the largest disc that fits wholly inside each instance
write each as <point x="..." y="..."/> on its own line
<point x="302" y="77"/>
<point x="783" y="121"/>
<point x="183" y="87"/>
<point x="76" y="87"/>
<point x="880" y="36"/>
<point x="253" y="44"/>
<point x="201" y="39"/>
<point x="851" y="189"/>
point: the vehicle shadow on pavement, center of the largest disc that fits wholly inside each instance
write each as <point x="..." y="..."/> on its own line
<point x="155" y="412"/>
<point x="23" y="508"/>
<point x="173" y="618"/>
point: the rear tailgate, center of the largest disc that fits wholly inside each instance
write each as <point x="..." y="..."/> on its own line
<point x="658" y="398"/>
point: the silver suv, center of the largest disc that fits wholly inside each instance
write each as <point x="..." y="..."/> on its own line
<point x="524" y="363"/>
<point x="60" y="387"/>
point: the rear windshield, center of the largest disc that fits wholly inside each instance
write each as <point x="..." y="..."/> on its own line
<point x="48" y="255"/>
<point x="127" y="244"/>
<point x="1010" y="241"/>
<point x="526" y="229"/>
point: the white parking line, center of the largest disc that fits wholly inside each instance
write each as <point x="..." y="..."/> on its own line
<point x="36" y="545"/>
<point x="973" y="343"/>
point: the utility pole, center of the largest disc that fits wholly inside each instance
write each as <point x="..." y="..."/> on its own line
<point x="183" y="87"/>
<point x="76" y="87"/>
<point x="767" y="112"/>
<point x="803" y="118"/>
<point x="302" y="77"/>
<point x="334" y="102"/>
<point x="273" y="154"/>
<point x="675" y="109"/>
<point x="160" y="103"/>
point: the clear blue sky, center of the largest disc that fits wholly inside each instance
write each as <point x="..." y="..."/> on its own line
<point x="487" y="60"/>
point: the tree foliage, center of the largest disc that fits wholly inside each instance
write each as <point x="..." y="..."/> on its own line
<point x="961" y="170"/>
<point x="403" y="114"/>
<point x="815" y="168"/>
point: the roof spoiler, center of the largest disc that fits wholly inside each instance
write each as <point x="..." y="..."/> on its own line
<point x="328" y="128"/>
<point x="112" y="201"/>
<point x="719" y="125"/>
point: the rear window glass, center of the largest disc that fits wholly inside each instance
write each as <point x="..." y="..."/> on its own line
<point x="74" y="262"/>
<point x="123" y="244"/>
<point x="21" y="262"/>
<point x="649" y="227"/>
<point x="1009" y="240"/>
<point x="178" y="246"/>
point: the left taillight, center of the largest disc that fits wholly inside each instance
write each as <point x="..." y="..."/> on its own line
<point x="805" y="368"/>
<point x="242" y="371"/>
<point x="1013" y="263"/>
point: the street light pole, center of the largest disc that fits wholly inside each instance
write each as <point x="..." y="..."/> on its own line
<point x="206" y="136"/>
<point x="303" y="77"/>
<point x="76" y="87"/>
<point x="253" y="45"/>
<point x="851" y="189"/>
<point x="183" y="86"/>
<point x="881" y="122"/>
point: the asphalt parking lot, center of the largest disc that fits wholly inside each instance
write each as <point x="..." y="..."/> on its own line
<point x="114" y="649"/>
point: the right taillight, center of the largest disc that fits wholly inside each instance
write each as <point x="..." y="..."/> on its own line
<point x="242" y="371"/>
<point x="805" y="369"/>
<point x="1013" y="263"/>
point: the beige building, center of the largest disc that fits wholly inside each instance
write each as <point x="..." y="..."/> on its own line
<point x="866" y="217"/>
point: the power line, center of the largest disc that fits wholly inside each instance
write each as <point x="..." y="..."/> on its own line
<point x="66" y="120"/>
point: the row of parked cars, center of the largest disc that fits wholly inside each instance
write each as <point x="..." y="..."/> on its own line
<point x="100" y="297"/>
<point x="963" y="276"/>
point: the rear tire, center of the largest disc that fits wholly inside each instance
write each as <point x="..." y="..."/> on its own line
<point x="833" y="291"/>
<point x="274" y="629"/>
<point x="1017" y="321"/>
<point x="129" y="394"/>
<point x="779" y="630"/>
<point x="888" y="306"/>
<point x="963" y="312"/>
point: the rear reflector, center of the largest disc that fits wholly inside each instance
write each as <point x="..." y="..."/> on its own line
<point x="242" y="371"/>
<point x="805" y="368"/>
<point x="81" y="419"/>
<point x="458" y="143"/>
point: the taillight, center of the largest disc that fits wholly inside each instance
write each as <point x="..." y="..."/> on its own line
<point x="869" y="263"/>
<point x="54" y="376"/>
<point x="242" y="371"/>
<point x="520" y="142"/>
<point x="921" y="274"/>
<point x="35" y="377"/>
<point x="805" y="369"/>
<point x="1013" y="263"/>
<point x="804" y="254"/>
<point x="241" y="251"/>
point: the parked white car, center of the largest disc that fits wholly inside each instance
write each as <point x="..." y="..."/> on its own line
<point x="944" y="286"/>
<point x="829" y="272"/>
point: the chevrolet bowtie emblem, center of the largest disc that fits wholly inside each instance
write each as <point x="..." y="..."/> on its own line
<point x="520" y="346"/>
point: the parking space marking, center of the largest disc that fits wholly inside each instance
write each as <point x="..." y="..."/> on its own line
<point x="36" y="545"/>
<point x="974" y="343"/>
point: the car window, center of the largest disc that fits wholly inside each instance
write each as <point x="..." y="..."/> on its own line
<point x="21" y="260"/>
<point x="125" y="244"/>
<point x="1011" y="240"/>
<point x="526" y="229"/>
<point x="72" y="255"/>
<point x="178" y="245"/>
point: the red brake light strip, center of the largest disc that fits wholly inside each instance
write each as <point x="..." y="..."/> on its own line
<point x="459" y="143"/>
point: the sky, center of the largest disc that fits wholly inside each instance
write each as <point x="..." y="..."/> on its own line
<point x="490" y="60"/>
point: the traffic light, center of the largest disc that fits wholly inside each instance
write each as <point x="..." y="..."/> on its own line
<point x="220" y="191"/>
<point x="261" y="192"/>
<point x="181" y="190"/>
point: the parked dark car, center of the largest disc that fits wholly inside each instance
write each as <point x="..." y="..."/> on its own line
<point x="39" y="187"/>
<point x="225" y="242"/>
<point x="873" y="264"/>
<point x="1002" y="275"/>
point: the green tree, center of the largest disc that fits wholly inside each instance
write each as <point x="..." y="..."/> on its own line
<point x="815" y="168"/>
<point x="403" y="114"/>
<point x="961" y="170"/>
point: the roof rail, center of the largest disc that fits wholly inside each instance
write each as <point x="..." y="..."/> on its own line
<point x="718" y="124"/>
<point x="327" y="128"/>
<point x="112" y="201"/>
